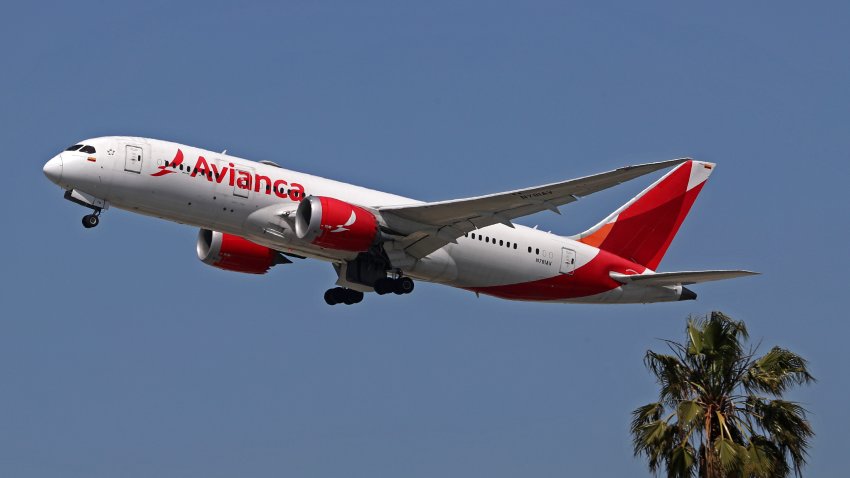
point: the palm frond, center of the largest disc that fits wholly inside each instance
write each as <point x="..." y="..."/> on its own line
<point x="694" y="338"/>
<point x="787" y="426"/>
<point x="648" y="413"/>
<point x="671" y="373"/>
<point x="765" y="460"/>
<point x="689" y="413"/>
<point x="655" y="440"/>
<point x="681" y="462"/>
<point x="730" y="455"/>
<point x="776" y="371"/>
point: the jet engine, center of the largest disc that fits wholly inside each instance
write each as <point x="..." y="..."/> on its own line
<point x="335" y="224"/>
<point x="233" y="253"/>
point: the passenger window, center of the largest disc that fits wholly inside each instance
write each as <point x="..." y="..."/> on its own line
<point x="529" y="248"/>
<point x="537" y="251"/>
<point x="87" y="149"/>
<point x="514" y="245"/>
<point x="74" y="147"/>
<point x="501" y="242"/>
<point x="473" y="235"/>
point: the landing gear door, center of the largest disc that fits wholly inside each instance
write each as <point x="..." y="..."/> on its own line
<point x="568" y="261"/>
<point x="133" y="159"/>
<point x="243" y="182"/>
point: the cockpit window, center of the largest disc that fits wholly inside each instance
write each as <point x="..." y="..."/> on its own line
<point x="87" y="149"/>
<point x="74" y="147"/>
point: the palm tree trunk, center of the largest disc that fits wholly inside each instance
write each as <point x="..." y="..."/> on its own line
<point x="708" y="470"/>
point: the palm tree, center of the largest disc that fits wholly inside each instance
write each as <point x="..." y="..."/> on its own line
<point x="720" y="411"/>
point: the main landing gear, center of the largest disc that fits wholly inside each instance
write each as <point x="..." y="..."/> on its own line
<point x="91" y="220"/>
<point x="367" y="271"/>
<point x="339" y="295"/>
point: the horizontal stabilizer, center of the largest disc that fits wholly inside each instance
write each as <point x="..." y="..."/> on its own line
<point x="678" y="278"/>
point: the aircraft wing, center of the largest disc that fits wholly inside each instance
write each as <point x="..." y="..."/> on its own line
<point x="429" y="226"/>
<point x="679" y="278"/>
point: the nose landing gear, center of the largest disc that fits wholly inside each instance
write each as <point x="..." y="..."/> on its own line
<point x="91" y="220"/>
<point x="87" y="200"/>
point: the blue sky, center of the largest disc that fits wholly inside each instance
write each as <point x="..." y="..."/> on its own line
<point x="121" y="354"/>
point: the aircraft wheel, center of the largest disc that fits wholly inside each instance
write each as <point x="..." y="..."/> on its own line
<point x="404" y="286"/>
<point x="338" y="295"/>
<point x="350" y="296"/>
<point x="90" y="221"/>
<point x="384" y="286"/>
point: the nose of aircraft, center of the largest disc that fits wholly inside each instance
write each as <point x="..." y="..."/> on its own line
<point x="53" y="169"/>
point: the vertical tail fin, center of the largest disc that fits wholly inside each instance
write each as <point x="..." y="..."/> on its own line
<point x="642" y="229"/>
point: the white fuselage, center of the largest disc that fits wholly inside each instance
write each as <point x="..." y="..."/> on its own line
<point x="130" y="173"/>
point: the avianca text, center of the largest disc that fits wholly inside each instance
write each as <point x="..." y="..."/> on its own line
<point x="236" y="177"/>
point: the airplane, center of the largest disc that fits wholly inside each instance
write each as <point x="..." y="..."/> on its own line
<point x="255" y="215"/>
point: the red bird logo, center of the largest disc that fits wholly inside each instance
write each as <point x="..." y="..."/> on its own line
<point x="177" y="161"/>
<point x="344" y="227"/>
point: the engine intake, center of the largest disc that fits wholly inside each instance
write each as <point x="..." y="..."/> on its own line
<point x="233" y="253"/>
<point x="335" y="224"/>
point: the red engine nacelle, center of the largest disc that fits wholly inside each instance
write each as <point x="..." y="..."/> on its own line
<point x="233" y="253"/>
<point x="335" y="224"/>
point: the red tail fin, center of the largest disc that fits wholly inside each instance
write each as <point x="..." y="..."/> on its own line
<point x="642" y="229"/>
